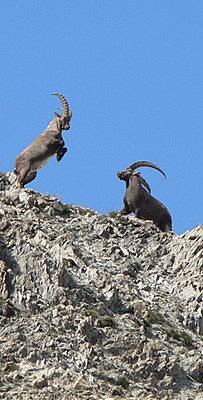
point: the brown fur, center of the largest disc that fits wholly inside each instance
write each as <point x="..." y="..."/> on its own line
<point x="49" y="143"/>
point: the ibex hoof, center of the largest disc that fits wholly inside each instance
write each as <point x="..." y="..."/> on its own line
<point x="61" y="153"/>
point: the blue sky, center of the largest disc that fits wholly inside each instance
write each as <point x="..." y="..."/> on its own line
<point x="132" y="73"/>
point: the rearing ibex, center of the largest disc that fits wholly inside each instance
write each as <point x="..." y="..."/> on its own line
<point x="139" y="200"/>
<point x="48" y="143"/>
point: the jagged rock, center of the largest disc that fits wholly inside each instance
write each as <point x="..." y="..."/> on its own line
<point x="96" y="306"/>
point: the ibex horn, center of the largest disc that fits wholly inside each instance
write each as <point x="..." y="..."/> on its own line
<point x="65" y="105"/>
<point x="146" y="164"/>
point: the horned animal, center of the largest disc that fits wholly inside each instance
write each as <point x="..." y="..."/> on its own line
<point x="138" y="198"/>
<point x="49" y="143"/>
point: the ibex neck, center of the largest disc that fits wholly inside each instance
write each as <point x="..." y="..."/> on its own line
<point x="134" y="182"/>
<point x="54" y="125"/>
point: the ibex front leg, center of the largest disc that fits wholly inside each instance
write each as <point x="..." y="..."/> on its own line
<point x="58" y="146"/>
<point x="60" y="153"/>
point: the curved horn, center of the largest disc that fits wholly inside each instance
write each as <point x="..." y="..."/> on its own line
<point x="65" y="105"/>
<point x="143" y="181"/>
<point x="146" y="164"/>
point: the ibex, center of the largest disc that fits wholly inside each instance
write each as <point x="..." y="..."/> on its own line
<point x="138" y="199"/>
<point x="46" y="145"/>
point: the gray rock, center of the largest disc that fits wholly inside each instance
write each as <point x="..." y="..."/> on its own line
<point x="96" y="306"/>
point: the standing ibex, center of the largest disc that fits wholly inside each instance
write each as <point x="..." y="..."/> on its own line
<point x="48" y="143"/>
<point x="139" y="200"/>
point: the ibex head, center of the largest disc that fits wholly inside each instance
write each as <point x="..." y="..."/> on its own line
<point x="67" y="113"/>
<point x="126" y="173"/>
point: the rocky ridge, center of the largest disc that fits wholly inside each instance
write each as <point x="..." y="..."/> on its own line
<point x="96" y="306"/>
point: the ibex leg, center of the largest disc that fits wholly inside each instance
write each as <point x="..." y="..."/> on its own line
<point x="29" y="177"/>
<point x="21" y="173"/>
<point x="60" y="153"/>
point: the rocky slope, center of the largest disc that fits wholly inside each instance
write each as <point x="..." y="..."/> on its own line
<point x="96" y="306"/>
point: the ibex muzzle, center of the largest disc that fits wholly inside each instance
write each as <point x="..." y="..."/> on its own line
<point x="139" y="200"/>
<point x="49" y="143"/>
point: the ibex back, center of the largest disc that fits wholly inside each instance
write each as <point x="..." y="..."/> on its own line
<point x="139" y="200"/>
<point x="46" y="145"/>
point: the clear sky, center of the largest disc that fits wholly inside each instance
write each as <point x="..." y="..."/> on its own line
<point x="132" y="71"/>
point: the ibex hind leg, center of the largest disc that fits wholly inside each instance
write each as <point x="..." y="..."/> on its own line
<point x="21" y="173"/>
<point x="165" y="227"/>
<point x="29" y="177"/>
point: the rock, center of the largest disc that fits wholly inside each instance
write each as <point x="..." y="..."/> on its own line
<point x="96" y="306"/>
